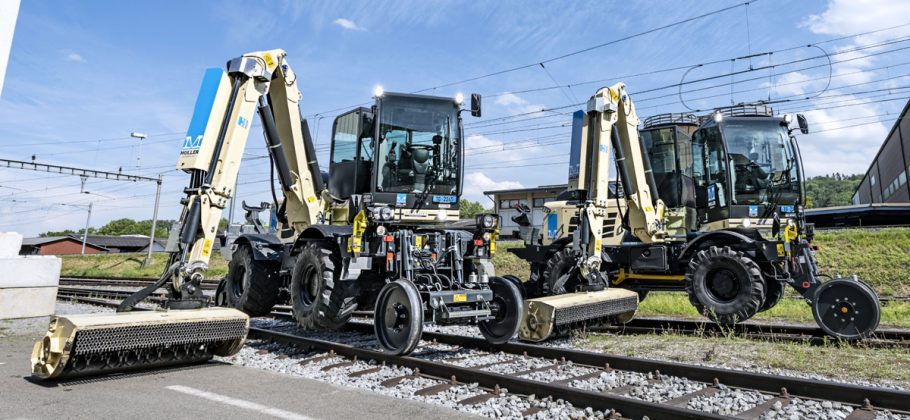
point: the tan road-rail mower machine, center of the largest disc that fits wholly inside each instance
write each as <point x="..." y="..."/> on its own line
<point x="709" y="206"/>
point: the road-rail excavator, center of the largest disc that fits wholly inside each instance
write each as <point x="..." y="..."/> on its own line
<point x="709" y="206"/>
<point x="372" y="232"/>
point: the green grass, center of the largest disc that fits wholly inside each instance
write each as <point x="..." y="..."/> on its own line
<point x="128" y="265"/>
<point x="676" y="304"/>
<point x="881" y="258"/>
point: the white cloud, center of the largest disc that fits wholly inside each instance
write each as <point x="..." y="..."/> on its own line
<point x="847" y="150"/>
<point x="71" y="56"/>
<point x="508" y="98"/>
<point x="844" y="17"/>
<point x="845" y="139"/>
<point x="477" y="182"/>
<point x="348" y="24"/>
<point x="515" y="104"/>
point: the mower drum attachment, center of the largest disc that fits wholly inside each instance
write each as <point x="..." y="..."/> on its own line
<point x="91" y="344"/>
<point x="543" y="316"/>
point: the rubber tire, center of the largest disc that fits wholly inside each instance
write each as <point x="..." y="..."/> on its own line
<point x="251" y="286"/>
<point x="327" y="307"/>
<point x="774" y="292"/>
<point x="509" y="296"/>
<point x="415" y="317"/>
<point x="751" y="293"/>
<point x="642" y="295"/>
<point x="559" y="264"/>
<point x="518" y="283"/>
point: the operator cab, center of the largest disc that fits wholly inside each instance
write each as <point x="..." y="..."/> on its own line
<point x="405" y="152"/>
<point x="746" y="165"/>
<point x="667" y="140"/>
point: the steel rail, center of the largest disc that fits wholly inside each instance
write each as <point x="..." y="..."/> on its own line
<point x="443" y="371"/>
<point x="809" y="388"/>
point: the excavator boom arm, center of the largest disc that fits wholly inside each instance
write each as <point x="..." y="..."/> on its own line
<point x="260" y="82"/>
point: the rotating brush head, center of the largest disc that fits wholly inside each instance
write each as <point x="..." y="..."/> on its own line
<point x="91" y="344"/>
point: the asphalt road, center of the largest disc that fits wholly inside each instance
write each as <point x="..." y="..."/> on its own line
<point x="211" y="390"/>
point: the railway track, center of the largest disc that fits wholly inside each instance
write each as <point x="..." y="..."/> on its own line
<point x="757" y="330"/>
<point x="615" y="385"/>
<point x="207" y="284"/>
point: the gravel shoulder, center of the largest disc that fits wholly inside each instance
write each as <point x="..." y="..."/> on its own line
<point x="851" y="364"/>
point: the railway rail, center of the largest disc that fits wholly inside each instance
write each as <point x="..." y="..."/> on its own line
<point x="757" y="330"/>
<point x="571" y="375"/>
<point x="207" y="284"/>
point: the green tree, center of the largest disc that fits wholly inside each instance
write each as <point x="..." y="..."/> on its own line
<point x="831" y="190"/>
<point x="468" y="209"/>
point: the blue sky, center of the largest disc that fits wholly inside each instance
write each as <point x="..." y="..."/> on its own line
<point x="82" y="76"/>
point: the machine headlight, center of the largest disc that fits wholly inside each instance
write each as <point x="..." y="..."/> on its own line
<point x="718" y="117"/>
<point x="488" y="221"/>
<point x="459" y="98"/>
<point x="378" y="91"/>
<point x="380" y="230"/>
<point x="385" y="213"/>
<point x="788" y="118"/>
<point x="487" y="236"/>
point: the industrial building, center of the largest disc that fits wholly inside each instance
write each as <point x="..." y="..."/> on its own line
<point x="94" y="244"/>
<point x="886" y="179"/>
<point x="883" y="196"/>
<point x="506" y="203"/>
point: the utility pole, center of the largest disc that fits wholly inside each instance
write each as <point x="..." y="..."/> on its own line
<point x="148" y="257"/>
<point x="140" y="136"/>
<point x="85" y="232"/>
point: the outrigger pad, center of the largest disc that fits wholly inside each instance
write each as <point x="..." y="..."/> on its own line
<point x="90" y="344"/>
<point x="543" y="315"/>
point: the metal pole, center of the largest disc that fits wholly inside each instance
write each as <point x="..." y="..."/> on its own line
<point x="85" y="232"/>
<point x="148" y="258"/>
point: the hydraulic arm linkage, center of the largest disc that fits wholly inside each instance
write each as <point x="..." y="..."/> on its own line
<point x="211" y="154"/>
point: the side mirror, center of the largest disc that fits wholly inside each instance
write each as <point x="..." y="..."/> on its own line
<point x="803" y="123"/>
<point x="475" y="105"/>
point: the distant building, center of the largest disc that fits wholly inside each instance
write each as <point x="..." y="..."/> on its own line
<point x="505" y="203"/>
<point x="94" y="244"/>
<point x="886" y="179"/>
<point x="883" y="196"/>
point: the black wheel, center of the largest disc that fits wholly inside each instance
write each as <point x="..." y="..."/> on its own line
<point x="508" y="307"/>
<point x="847" y="309"/>
<point x="642" y="295"/>
<point x="251" y="286"/>
<point x="725" y="285"/>
<point x="398" y="318"/>
<point x="318" y="300"/>
<point x="774" y="292"/>
<point x="560" y="275"/>
<point x="518" y="283"/>
<point x="221" y="293"/>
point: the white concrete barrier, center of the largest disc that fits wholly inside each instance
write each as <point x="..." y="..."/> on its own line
<point x="28" y="285"/>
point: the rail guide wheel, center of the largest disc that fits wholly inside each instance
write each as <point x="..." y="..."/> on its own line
<point x="507" y="312"/>
<point x="847" y="309"/>
<point x="398" y="317"/>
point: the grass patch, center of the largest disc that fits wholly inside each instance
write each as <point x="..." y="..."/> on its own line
<point x="879" y="257"/>
<point x="507" y="263"/>
<point x="676" y="304"/>
<point x="128" y="265"/>
<point x="847" y="362"/>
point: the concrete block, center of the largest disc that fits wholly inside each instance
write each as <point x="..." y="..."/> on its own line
<point x="37" y="271"/>
<point x="10" y="244"/>
<point x="27" y="302"/>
